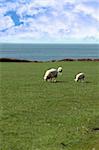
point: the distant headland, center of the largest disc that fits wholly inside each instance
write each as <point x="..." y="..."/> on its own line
<point x="67" y="59"/>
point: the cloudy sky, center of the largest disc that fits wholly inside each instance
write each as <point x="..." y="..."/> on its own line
<point x="43" y="21"/>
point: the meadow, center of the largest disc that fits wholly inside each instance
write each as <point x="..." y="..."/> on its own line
<point x="38" y="115"/>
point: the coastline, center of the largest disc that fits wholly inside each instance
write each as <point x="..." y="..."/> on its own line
<point x="36" y="61"/>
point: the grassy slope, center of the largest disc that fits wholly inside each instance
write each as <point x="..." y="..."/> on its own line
<point x="36" y="115"/>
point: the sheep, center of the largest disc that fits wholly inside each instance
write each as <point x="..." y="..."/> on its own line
<point x="79" y="77"/>
<point x="51" y="74"/>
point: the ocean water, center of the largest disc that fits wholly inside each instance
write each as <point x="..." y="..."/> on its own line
<point x="45" y="52"/>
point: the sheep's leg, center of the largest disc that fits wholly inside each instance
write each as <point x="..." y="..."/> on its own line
<point x="54" y="80"/>
<point x="51" y="79"/>
<point x="83" y="80"/>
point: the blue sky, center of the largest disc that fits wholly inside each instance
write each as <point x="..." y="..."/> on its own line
<point x="49" y="21"/>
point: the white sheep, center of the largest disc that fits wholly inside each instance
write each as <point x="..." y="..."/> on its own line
<point x="79" y="77"/>
<point x="51" y="74"/>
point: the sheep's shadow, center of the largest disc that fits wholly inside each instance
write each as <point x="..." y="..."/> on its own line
<point x="88" y="82"/>
<point x="83" y="82"/>
<point x="57" y="82"/>
<point x="95" y="129"/>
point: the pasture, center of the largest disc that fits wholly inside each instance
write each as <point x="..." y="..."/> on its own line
<point x="38" y="115"/>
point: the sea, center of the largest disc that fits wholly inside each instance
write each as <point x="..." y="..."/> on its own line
<point x="47" y="52"/>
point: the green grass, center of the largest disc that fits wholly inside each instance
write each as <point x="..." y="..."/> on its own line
<point x="38" y="115"/>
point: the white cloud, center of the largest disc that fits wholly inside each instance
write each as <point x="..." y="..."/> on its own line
<point x="51" y="19"/>
<point x="5" y="22"/>
<point x="88" y="10"/>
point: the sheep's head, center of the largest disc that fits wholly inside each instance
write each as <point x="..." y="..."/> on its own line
<point x="60" y="69"/>
<point x="76" y="80"/>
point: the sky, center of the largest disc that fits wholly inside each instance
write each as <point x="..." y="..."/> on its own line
<point x="49" y="21"/>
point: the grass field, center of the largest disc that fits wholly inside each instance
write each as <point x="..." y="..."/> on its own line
<point x="38" y="115"/>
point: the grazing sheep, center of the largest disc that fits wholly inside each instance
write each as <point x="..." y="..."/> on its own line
<point x="52" y="74"/>
<point x="79" y="77"/>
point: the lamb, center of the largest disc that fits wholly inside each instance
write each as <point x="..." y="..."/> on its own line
<point x="79" y="77"/>
<point x="51" y="74"/>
